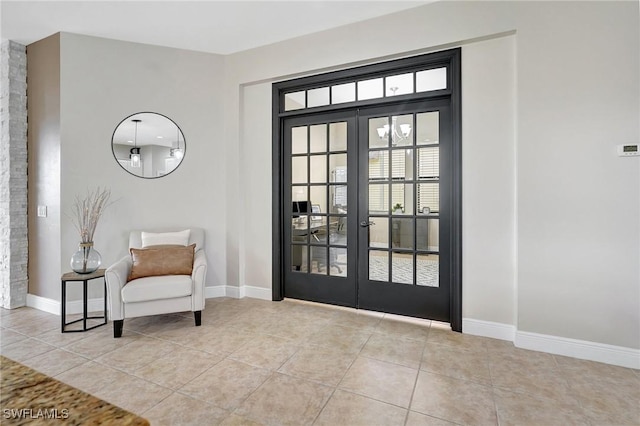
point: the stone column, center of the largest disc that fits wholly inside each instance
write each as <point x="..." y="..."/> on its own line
<point x="13" y="176"/>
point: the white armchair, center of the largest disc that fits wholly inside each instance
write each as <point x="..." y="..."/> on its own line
<point x="154" y="295"/>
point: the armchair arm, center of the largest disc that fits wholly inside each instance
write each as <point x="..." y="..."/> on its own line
<point x="116" y="277"/>
<point x="198" y="277"/>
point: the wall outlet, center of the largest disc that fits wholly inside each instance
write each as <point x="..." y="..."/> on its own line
<point x="42" y="211"/>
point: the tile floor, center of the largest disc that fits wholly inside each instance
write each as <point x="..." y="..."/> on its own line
<point x="258" y="362"/>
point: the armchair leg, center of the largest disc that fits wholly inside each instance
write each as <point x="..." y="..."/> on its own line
<point x="198" y="317"/>
<point x="117" y="328"/>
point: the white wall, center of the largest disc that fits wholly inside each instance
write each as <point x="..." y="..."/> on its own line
<point x="488" y="180"/>
<point x="103" y="81"/>
<point x="578" y="203"/>
<point x="551" y="231"/>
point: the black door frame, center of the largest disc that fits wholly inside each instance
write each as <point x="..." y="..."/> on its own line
<point x="449" y="58"/>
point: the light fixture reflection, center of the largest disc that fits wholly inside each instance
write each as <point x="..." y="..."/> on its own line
<point x="398" y="133"/>
<point x="134" y="155"/>
<point x="177" y="152"/>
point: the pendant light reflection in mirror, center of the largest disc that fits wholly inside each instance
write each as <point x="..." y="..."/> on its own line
<point x="148" y="145"/>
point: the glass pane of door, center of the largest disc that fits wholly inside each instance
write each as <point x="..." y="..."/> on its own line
<point x="403" y="188"/>
<point x="319" y="199"/>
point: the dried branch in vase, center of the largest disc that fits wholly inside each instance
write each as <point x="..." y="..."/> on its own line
<point x="87" y="212"/>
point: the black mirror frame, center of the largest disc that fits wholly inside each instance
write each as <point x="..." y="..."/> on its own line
<point x="184" y="139"/>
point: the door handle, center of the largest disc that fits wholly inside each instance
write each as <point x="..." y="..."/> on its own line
<point x="366" y="224"/>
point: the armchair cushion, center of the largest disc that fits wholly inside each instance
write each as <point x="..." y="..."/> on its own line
<point x="161" y="260"/>
<point x="158" y="238"/>
<point x="157" y="288"/>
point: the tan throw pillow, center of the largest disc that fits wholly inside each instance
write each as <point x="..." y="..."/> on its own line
<point x="161" y="260"/>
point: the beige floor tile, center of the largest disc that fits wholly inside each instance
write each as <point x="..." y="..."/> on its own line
<point x="297" y="330"/>
<point x="136" y="354"/>
<point x="345" y="408"/>
<point x="56" y="338"/>
<point x="579" y="368"/>
<point x="285" y="400"/>
<point x="337" y="336"/>
<point x="179" y="367"/>
<point x="133" y="394"/>
<point x="454" y="400"/>
<point x="362" y="320"/>
<point x="313" y="311"/>
<point x="456" y="362"/>
<point x="521" y="358"/>
<point x="254" y="322"/>
<point x="268" y="352"/>
<point x="55" y="362"/>
<point x="380" y="380"/>
<point x="448" y="337"/>
<point x="171" y="326"/>
<point x="236" y="420"/>
<point x="621" y="398"/>
<point x="530" y="387"/>
<point x="25" y="349"/>
<point x="517" y="409"/>
<point x="612" y="417"/>
<point x="543" y="383"/>
<point x="8" y="337"/>
<point x="34" y="326"/>
<point x="397" y="326"/>
<point x="99" y="342"/>
<point x="226" y="384"/>
<point x="181" y="410"/>
<point x="152" y="323"/>
<point x="383" y="347"/>
<point x="225" y="340"/>
<point x="91" y="376"/>
<point x="15" y="318"/>
<point x="320" y="364"/>
<point x="419" y="419"/>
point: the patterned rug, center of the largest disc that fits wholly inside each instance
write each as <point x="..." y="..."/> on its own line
<point x="427" y="271"/>
<point x="30" y="397"/>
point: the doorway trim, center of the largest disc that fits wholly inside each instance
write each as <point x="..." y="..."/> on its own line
<point x="451" y="59"/>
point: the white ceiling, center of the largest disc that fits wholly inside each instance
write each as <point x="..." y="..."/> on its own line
<point x="222" y="27"/>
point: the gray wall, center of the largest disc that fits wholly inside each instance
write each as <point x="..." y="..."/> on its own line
<point x="43" y="74"/>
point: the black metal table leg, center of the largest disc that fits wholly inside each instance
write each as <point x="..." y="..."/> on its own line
<point x="84" y="278"/>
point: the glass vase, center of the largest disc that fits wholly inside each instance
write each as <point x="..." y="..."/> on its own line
<point x="86" y="260"/>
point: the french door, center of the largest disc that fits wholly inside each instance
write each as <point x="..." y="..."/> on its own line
<point x="321" y="179"/>
<point x="367" y="191"/>
<point x="367" y="208"/>
<point x="404" y="205"/>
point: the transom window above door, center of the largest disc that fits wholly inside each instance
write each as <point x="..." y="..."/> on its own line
<point x="407" y="83"/>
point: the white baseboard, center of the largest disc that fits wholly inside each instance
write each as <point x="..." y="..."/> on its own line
<point x="582" y="349"/>
<point x="213" y="292"/>
<point x="256" y="292"/>
<point x="73" y="307"/>
<point x="43" y="304"/>
<point x="52" y="306"/>
<point x="495" y="330"/>
<point x="237" y="292"/>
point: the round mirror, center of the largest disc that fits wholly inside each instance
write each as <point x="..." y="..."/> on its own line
<point x="148" y="145"/>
